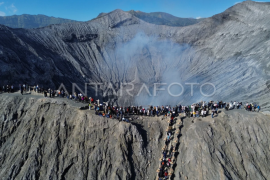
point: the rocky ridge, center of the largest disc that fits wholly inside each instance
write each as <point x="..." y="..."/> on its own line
<point x="31" y="21"/>
<point x="44" y="138"/>
<point x="49" y="139"/>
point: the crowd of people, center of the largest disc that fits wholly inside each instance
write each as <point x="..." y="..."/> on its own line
<point x="167" y="161"/>
<point x="201" y="109"/>
<point x="104" y="109"/>
<point x="252" y="107"/>
<point x="7" y="88"/>
<point x="78" y="97"/>
<point x="24" y="88"/>
<point x="11" y="89"/>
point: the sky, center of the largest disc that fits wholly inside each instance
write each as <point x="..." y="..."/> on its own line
<point x="84" y="10"/>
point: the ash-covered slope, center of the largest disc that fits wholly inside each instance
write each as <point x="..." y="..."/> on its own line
<point x="233" y="145"/>
<point x="229" y="50"/>
<point x="31" y="21"/>
<point x="44" y="138"/>
<point x="49" y="139"/>
<point x="161" y="18"/>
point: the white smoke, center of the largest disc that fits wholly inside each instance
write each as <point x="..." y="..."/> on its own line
<point x="157" y="60"/>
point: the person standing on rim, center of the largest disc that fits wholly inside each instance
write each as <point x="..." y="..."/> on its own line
<point x="90" y="105"/>
<point x="50" y="91"/>
<point x="8" y="89"/>
<point x="11" y="89"/>
<point x="21" y="89"/>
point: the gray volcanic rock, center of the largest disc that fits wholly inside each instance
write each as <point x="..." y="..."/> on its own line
<point x="161" y="18"/>
<point x="49" y="139"/>
<point x="101" y="14"/>
<point x="234" y="145"/>
<point x="44" y="138"/>
<point x="229" y="50"/>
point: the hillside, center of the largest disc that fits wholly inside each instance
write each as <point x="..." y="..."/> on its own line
<point x="54" y="138"/>
<point x="31" y="21"/>
<point x="229" y="50"/>
<point x="51" y="139"/>
<point x="43" y="138"/>
<point x="160" y="18"/>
